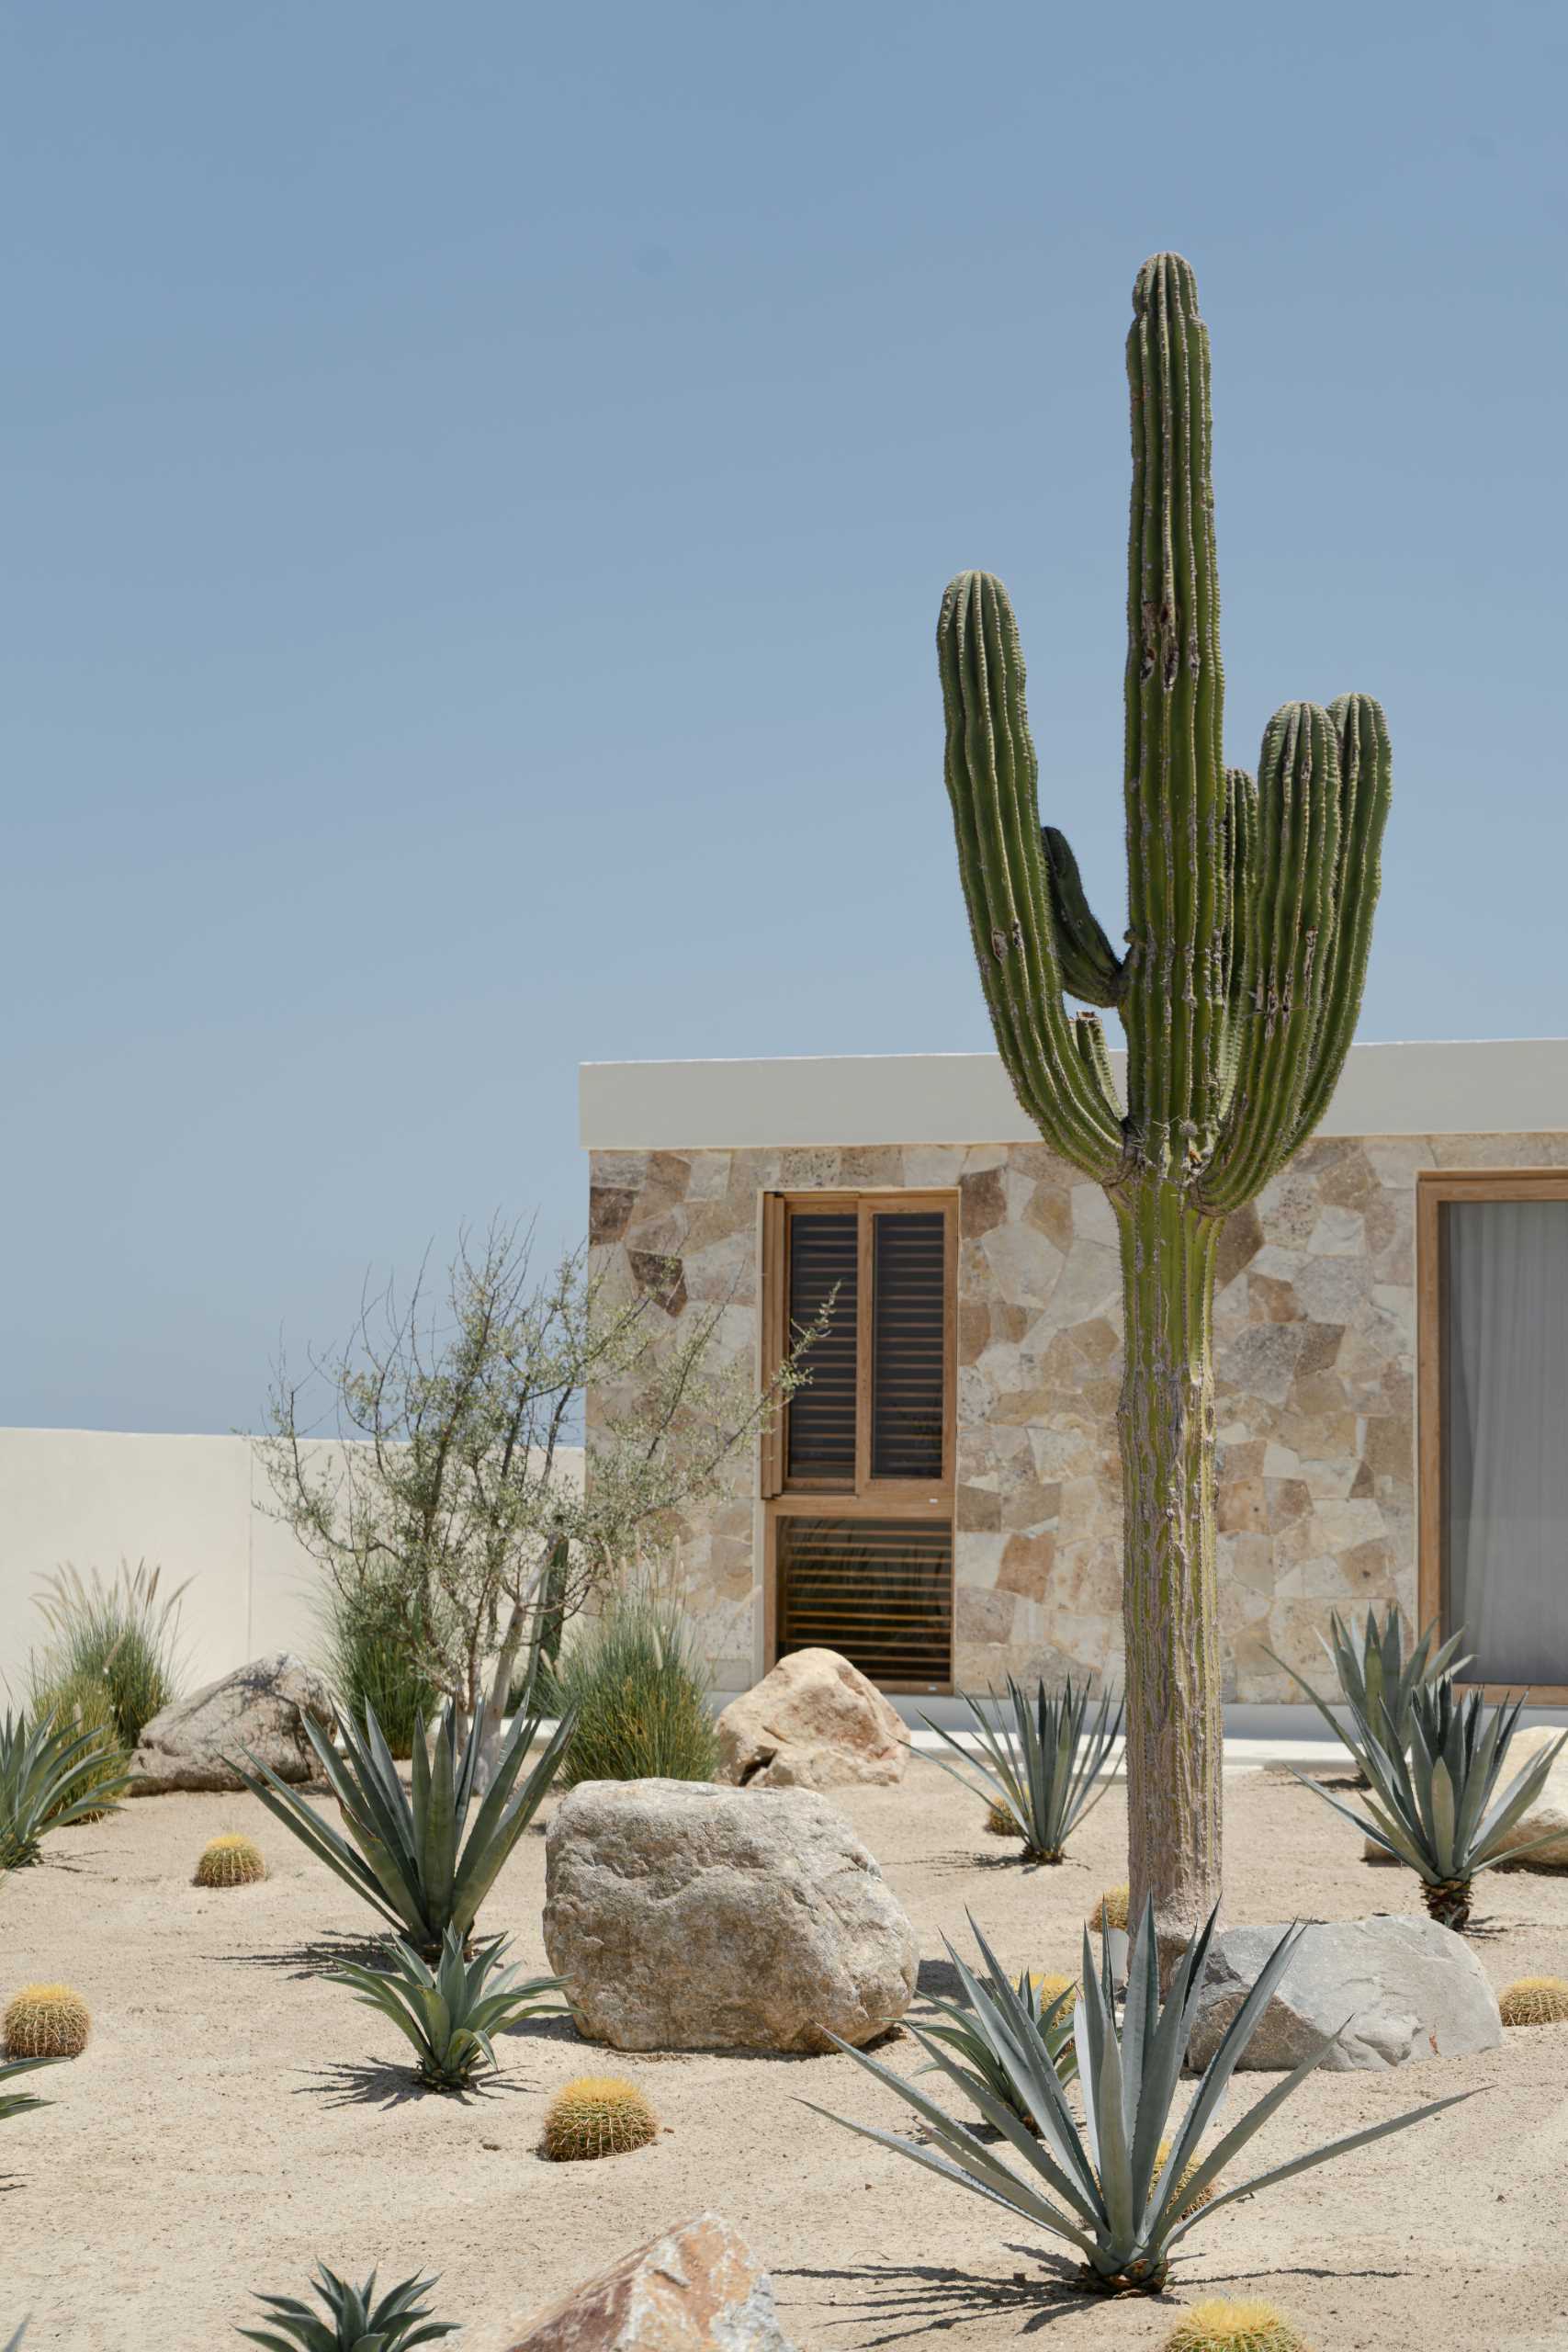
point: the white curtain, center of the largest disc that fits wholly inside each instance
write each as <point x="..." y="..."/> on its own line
<point x="1505" y="1436"/>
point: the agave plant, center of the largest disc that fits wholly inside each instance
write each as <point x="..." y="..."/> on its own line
<point x="449" y="2015"/>
<point x="1035" y="1771"/>
<point x="355" y="2321"/>
<point x="17" y="2102"/>
<point x="1374" y="1673"/>
<point x="407" y="1853"/>
<point x="967" y="2027"/>
<point x="1102" y="2186"/>
<point x="1437" y="1809"/>
<point x="51" y="1773"/>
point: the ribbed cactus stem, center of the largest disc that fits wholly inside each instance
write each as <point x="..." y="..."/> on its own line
<point x="1250" y="909"/>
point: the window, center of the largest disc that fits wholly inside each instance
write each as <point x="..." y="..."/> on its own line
<point x="1494" y="1421"/>
<point x="858" y="1476"/>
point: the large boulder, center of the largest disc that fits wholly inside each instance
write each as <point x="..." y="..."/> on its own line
<point x="686" y="1916"/>
<point x="814" y="1722"/>
<point x="698" y="2289"/>
<point x="262" y="1706"/>
<point x="1390" y="1990"/>
<point x="1548" y="1817"/>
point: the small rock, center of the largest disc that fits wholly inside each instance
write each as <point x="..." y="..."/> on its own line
<point x="1409" y="1989"/>
<point x="262" y="1706"/>
<point x="687" y="1916"/>
<point x="698" y="2289"/>
<point x="814" y="1722"/>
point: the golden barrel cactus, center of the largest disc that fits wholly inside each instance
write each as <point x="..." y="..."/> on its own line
<point x="1535" y="2000"/>
<point x="597" y="2115"/>
<point x="1219" y="2327"/>
<point x="1111" y="1910"/>
<point x="1001" y="1821"/>
<point x="1048" y="1987"/>
<point x="231" y="1860"/>
<point x="46" y="2021"/>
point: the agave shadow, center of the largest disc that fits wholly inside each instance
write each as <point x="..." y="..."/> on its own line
<point x="912" y="2299"/>
<point x="374" y="2083"/>
<point x="316" y="1958"/>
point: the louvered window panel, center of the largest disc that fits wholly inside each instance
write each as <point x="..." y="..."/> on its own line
<point x="824" y="1262"/>
<point x="877" y="1590"/>
<point x="910" y="1263"/>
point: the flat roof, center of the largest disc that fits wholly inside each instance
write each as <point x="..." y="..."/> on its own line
<point x="1474" y="1086"/>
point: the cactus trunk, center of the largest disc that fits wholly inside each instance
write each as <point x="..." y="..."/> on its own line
<point x="1170" y="1592"/>
<point x="1249" y="921"/>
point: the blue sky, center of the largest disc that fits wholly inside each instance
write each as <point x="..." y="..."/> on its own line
<point x="477" y="485"/>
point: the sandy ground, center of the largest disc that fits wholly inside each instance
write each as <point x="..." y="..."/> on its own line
<point x="237" y="2117"/>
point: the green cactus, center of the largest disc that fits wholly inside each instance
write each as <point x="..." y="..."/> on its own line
<point x="1250" y="918"/>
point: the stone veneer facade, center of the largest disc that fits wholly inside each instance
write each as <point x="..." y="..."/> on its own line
<point x="1315" y="1356"/>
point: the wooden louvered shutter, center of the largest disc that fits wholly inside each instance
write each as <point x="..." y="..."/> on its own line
<point x="908" y="1344"/>
<point x="824" y="1264"/>
<point x="775" y="1337"/>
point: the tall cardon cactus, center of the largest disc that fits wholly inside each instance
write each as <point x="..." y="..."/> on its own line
<point x="1249" y="918"/>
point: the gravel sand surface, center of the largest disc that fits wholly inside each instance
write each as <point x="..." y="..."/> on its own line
<point x="237" y="2117"/>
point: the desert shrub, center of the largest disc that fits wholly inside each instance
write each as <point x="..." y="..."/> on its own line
<point x="1217" y="2326"/>
<point x="117" y="1633"/>
<point x="231" y="1860"/>
<point x="1535" y="2000"/>
<point x="597" y="2115"/>
<point x="365" y="1657"/>
<point x="46" y="2021"/>
<point x="637" y="1692"/>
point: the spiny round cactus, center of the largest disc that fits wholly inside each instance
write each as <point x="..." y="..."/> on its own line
<point x="1204" y="2196"/>
<point x="1001" y="1821"/>
<point x="1217" y="2326"/>
<point x="1049" y="1987"/>
<point x="231" y="1860"/>
<point x="597" y="2115"/>
<point x="46" y="2021"/>
<point x="1535" y="2000"/>
<point x="1111" y="1909"/>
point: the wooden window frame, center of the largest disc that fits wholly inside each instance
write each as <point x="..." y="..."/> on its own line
<point x="1433" y="1191"/>
<point x="869" y="1497"/>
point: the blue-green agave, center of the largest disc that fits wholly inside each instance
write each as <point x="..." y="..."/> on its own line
<point x="52" y="1772"/>
<point x="355" y="2321"/>
<point x="450" y="2013"/>
<point x="1034" y="1770"/>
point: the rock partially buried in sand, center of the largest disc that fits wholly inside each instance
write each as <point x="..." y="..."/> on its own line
<point x="686" y="1916"/>
<point x="814" y="1722"/>
<point x="1410" y="1989"/>
<point x="262" y="1706"/>
<point x="698" y="2289"/>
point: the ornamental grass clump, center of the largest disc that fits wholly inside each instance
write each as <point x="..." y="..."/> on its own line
<point x="1375" y="1677"/>
<point x="1534" y="2000"/>
<point x="52" y="1772"/>
<point x="355" y="2321"/>
<point x="414" y="1854"/>
<point x="118" y="1634"/>
<point x="1042" y="1759"/>
<point x="638" y="1691"/>
<point x="231" y="1860"/>
<point x="46" y="2021"/>
<point x="1438" y="1810"/>
<point x="597" y="2115"/>
<point x="1216" y="2325"/>
<point x="1035" y="2009"/>
<point x="450" y="2014"/>
<point x="1101" y="2186"/>
<point x="365" y="1657"/>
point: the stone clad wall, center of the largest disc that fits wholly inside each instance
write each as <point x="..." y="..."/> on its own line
<point x="1315" y="1358"/>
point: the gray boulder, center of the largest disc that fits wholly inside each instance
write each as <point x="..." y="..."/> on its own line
<point x="686" y="1916"/>
<point x="697" y="2289"/>
<point x="262" y="1706"/>
<point x="1391" y="1990"/>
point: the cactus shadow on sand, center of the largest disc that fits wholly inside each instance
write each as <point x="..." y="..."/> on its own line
<point x="377" y="2083"/>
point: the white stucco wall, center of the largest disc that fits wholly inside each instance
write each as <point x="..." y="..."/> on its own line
<point x="96" y="1496"/>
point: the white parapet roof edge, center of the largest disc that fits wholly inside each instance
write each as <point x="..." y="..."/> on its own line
<point x="1477" y="1086"/>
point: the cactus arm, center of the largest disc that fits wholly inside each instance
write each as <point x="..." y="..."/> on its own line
<point x="1240" y="862"/>
<point x="1089" y="1037"/>
<point x="992" y="785"/>
<point x="1285" y="934"/>
<point x="1365" y="789"/>
<point x="1176" y="793"/>
<point x="1090" y="968"/>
